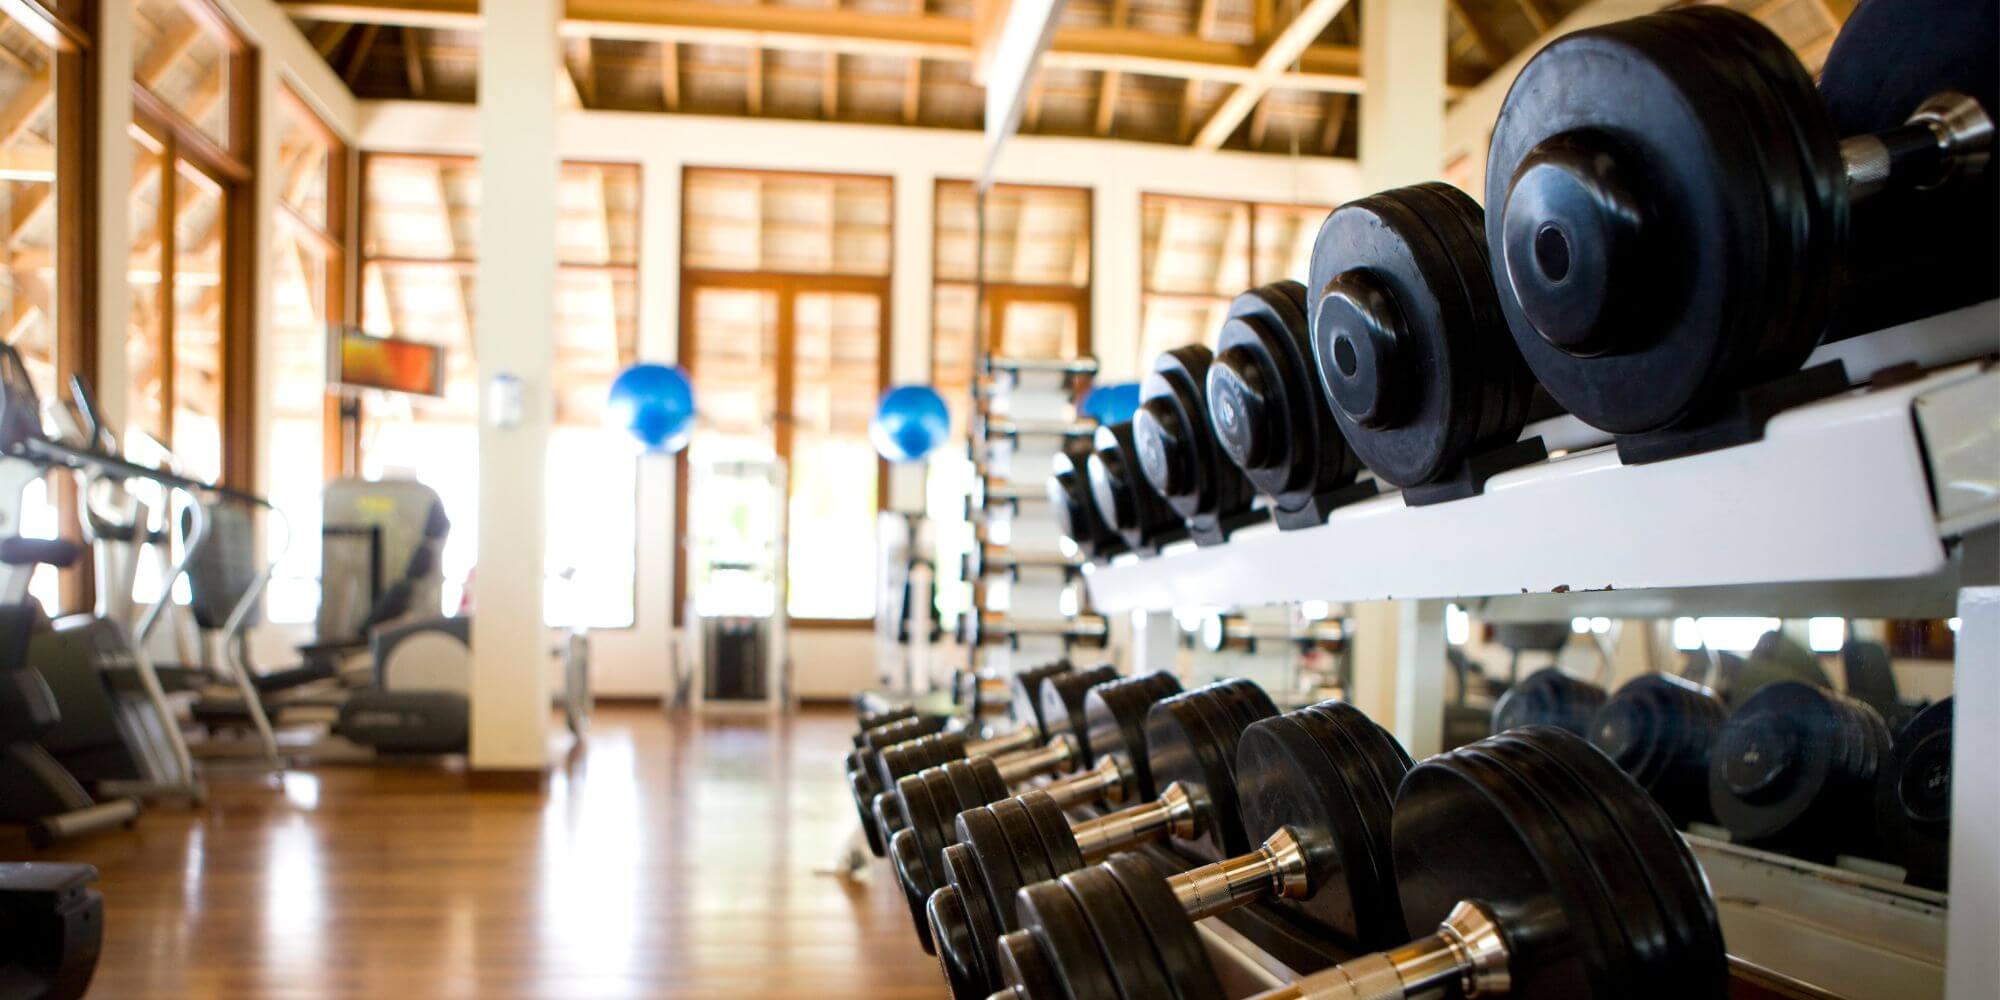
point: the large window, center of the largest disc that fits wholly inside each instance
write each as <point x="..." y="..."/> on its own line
<point x="193" y="140"/>
<point x="307" y="280"/>
<point x="44" y="190"/>
<point x="419" y="265"/>
<point x="784" y="328"/>
<point x="1200" y="253"/>
<point x="1036" y="261"/>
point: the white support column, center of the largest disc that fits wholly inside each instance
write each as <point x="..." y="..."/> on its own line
<point x="1156" y="643"/>
<point x="114" y="208"/>
<point x="1115" y="283"/>
<point x="1420" y="670"/>
<point x="1972" y="964"/>
<point x="1402" y="111"/>
<point x="514" y="339"/>
<point x="910" y="314"/>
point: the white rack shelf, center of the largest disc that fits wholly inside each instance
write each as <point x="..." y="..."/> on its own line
<point x="1837" y="496"/>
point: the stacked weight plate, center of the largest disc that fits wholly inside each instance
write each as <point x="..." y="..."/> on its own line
<point x="1026" y="598"/>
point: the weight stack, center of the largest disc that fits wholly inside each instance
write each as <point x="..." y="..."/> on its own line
<point x="1026" y="594"/>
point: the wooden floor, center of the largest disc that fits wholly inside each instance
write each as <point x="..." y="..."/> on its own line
<point x="667" y="858"/>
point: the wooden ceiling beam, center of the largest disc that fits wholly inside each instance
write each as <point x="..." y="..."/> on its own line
<point x="1107" y="84"/>
<point x="578" y="62"/>
<point x="359" y="56"/>
<point x="1489" y="42"/>
<point x="413" y="61"/>
<point x="1538" y="18"/>
<point x="1320" y="68"/>
<point x="1288" y="45"/>
<point x="1333" y="122"/>
<point x="670" y="75"/>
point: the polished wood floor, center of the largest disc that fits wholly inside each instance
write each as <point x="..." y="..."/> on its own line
<point x="668" y="857"/>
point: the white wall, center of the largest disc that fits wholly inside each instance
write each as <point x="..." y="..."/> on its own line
<point x="636" y="661"/>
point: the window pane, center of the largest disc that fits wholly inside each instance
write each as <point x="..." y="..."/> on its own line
<point x="735" y="364"/>
<point x="145" y="344"/>
<point x="598" y="214"/>
<point x="597" y="333"/>
<point x="833" y="472"/>
<point x="303" y="159"/>
<point x="1285" y="235"/>
<point x="1034" y="235"/>
<point x="420" y="207"/>
<point x="1193" y="246"/>
<point x="198" y="234"/>
<point x="298" y="411"/>
<point x="952" y="310"/>
<point x="183" y="63"/>
<point x="28" y="203"/>
<point x="1169" y="321"/>
<point x="744" y="221"/>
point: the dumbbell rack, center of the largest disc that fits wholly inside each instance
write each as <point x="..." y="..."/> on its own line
<point x="1880" y="502"/>
<point x="1022" y="580"/>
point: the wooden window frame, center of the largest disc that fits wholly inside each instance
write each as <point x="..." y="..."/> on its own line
<point x="996" y="296"/>
<point x="232" y="166"/>
<point x="71" y="36"/>
<point x="340" y="429"/>
<point x="787" y="285"/>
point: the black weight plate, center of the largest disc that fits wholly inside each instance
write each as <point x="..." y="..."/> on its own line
<point x="888" y="815"/>
<point x="1031" y="857"/>
<point x="1502" y="379"/>
<point x="1673" y="144"/>
<point x="1026" y="702"/>
<point x="1663" y="898"/>
<point x="1274" y="426"/>
<point x="966" y="870"/>
<point x="1025" y="968"/>
<point x="1465" y="829"/>
<point x="1062" y="703"/>
<point x="1660" y="729"/>
<point x="1053" y="827"/>
<point x="1123" y="498"/>
<point x="1115" y="718"/>
<point x="1409" y="411"/>
<point x="999" y="862"/>
<point x="1189" y="740"/>
<point x="906" y="856"/>
<point x="956" y="932"/>
<point x="1249" y="701"/>
<point x="1801" y="166"/>
<point x="876" y="720"/>
<point x="1915" y="253"/>
<point x="1120" y="937"/>
<point x="1913" y="796"/>
<point x="1794" y="767"/>
<point x="862" y="788"/>
<point x="1299" y="770"/>
<point x="911" y="756"/>
<point x="1175" y="445"/>
<point x="1047" y="911"/>
<point x="1549" y="697"/>
<point x="1173" y="937"/>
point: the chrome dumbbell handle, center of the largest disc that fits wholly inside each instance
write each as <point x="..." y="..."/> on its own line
<point x="1106" y="781"/>
<point x="1173" y="814"/>
<point x="1276" y="868"/>
<point x="1466" y="959"/>
<point x="1948" y="136"/>
<point x="1058" y="755"/>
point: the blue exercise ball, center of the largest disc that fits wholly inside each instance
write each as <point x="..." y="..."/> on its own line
<point x="1111" y="403"/>
<point x="656" y="404"/>
<point x="910" y="423"/>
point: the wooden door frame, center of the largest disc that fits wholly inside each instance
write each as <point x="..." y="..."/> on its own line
<point x="786" y="287"/>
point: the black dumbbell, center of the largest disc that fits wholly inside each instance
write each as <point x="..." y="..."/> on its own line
<point x="1269" y="417"/>
<point x="1794" y="769"/>
<point x="1190" y="754"/>
<point x="1913" y="797"/>
<point x="860" y="767"/>
<point x="1669" y="211"/>
<point x="1661" y="730"/>
<point x="1546" y="871"/>
<point x="864" y="721"/>
<point x="1125" y="501"/>
<point x="926" y="804"/>
<point x="863" y="763"/>
<point x="1549" y="697"/>
<point x="1409" y="344"/>
<point x="1177" y="451"/>
<point x="1035" y="749"/>
<point x="1076" y="511"/>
